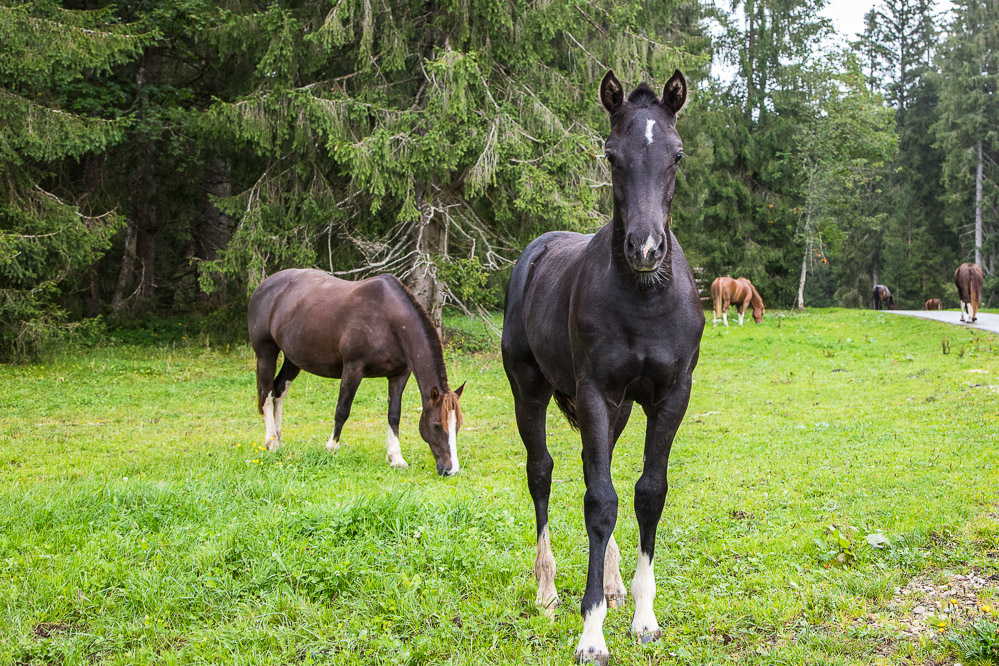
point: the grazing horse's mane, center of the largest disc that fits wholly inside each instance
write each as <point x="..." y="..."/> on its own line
<point x="430" y="330"/>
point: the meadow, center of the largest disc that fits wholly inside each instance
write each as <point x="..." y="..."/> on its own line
<point x="834" y="499"/>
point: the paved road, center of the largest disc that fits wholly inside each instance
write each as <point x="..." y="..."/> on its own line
<point x="986" y="321"/>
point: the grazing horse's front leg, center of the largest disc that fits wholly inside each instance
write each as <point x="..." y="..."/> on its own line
<point x="600" y="513"/>
<point x="393" y="451"/>
<point x="349" y="382"/>
<point x="650" y="497"/>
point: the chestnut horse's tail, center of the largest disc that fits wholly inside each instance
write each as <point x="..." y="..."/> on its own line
<point x="567" y="404"/>
<point x="975" y="284"/>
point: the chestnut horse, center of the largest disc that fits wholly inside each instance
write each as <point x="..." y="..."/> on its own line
<point x="602" y="322"/>
<point x="968" y="278"/>
<point x="725" y="290"/>
<point x="351" y="330"/>
<point x="933" y="304"/>
<point x="883" y="298"/>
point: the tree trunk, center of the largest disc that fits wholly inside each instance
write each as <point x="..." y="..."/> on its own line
<point x="801" y="283"/>
<point x="979" y="232"/>
<point x="430" y="239"/>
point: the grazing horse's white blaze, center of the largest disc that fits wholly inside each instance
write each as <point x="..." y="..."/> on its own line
<point x="544" y="572"/>
<point x="271" y="440"/>
<point x="649" y="124"/>
<point x="393" y="451"/>
<point x="643" y="589"/>
<point x="592" y="641"/>
<point x="648" y="247"/>
<point x="614" y="589"/>
<point x="452" y="441"/>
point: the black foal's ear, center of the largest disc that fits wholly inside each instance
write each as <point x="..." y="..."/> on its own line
<point x="460" y="389"/>
<point x="611" y="92"/>
<point x="435" y="395"/>
<point x="675" y="93"/>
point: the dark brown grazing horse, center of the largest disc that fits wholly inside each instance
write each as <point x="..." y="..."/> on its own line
<point x="933" y="304"/>
<point x="350" y="330"/>
<point x="725" y="290"/>
<point x="602" y="322"/>
<point x="883" y="298"/>
<point x="968" y="278"/>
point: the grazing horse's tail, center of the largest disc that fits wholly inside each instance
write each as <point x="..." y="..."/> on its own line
<point x="567" y="404"/>
<point x="975" y="283"/>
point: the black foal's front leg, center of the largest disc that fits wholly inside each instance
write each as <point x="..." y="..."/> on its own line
<point x="650" y="497"/>
<point x="349" y="382"/>
<point x="600" y="512"/>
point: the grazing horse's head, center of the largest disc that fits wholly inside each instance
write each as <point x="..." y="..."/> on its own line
<point x="643" y="151"/>
<point x="439" y="424"/>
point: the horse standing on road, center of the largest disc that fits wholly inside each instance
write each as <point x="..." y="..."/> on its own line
<point x="602" y="322"/>
<point x="725" y="290"/>
<point x="883" y="298"/>
<point x="351" y="330"/>
<point x="933" y="304"/>
<point x="968" y="278"/>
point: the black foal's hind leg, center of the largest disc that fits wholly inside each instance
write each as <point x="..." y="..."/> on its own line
<point x="266" y="365"/>
<point x="531" y="395"/>
<point x="650" y="497"/>
<point x="393" y="451"/>
<point x="349" y="382"/>
<point x="614" y="589"/>
<point x="281" y="385"/>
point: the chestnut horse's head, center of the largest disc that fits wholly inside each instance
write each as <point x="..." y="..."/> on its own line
<point x="643" y="151"/>
<point x="439" y="424"/>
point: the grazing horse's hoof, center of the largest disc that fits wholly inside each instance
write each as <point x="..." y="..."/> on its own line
<point x="616" y="600"/>
<point x="398" y="463"/>
<point x="273" y="444"/>
<point x="591" y="656"/>
<point x="649" y="637"/>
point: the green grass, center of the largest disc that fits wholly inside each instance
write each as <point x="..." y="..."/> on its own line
<point x="141" y="523"/>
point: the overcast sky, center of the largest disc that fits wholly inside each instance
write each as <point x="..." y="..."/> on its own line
<point x="848" y="15"/>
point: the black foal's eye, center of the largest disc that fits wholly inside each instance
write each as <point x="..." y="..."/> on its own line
<point x="679" y="156"/>
<point x="610" y="158"/>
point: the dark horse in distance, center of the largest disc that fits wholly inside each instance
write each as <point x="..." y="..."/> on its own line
<point x="602" y="322"/>
<point x="726" y="290"/>
<point x="883" y="298"/>
<point x="968" y="278"/>
<point x="350" y="330"/>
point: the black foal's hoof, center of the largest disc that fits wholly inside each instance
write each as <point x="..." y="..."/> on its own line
<point x="602" y="658"/>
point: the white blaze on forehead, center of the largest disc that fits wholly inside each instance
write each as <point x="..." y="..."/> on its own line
<point x="452" y="440"/>
<point x="649" y="124"/>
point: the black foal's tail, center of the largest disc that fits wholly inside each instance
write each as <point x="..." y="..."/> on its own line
<point x="568" y="406"/>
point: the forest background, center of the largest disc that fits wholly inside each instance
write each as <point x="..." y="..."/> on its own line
<point x="159" y="158"/>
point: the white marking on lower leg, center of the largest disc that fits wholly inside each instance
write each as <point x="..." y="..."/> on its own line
<point x="333" y="443"/>
<point x="393" y="452"/>
<point x="452" y="442"/>
<point x="544" y="573"/>
<point x="277" y="410"/>
<point x="962" y="310"/>
<point x="614" y="588"/>
<point x="649" y="124"/>
<point x="725" y="318"/>
<point x="741" y="314"/>
<point x="271" y="440"/>
<point x="592" y="641"/>
<point x="643" y="589"/>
